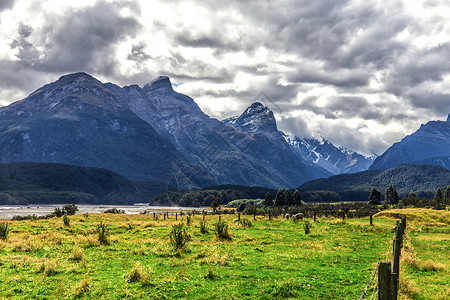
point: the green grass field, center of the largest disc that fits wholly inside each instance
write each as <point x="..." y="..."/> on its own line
<point x="274" y="259"/>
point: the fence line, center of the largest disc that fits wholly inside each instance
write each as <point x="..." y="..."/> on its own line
<point x="389" y="273"/>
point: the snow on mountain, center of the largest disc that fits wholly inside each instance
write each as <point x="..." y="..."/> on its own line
<point x="337" y="160"/>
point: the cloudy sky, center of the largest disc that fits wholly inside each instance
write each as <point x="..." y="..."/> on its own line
<point x="361" y="73"/>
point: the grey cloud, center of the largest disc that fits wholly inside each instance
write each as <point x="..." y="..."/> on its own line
<point x="6" y="4"/>
<point x="82" y="40"/>
<point x="341" y="78"/>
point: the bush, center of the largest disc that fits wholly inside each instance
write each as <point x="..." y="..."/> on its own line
<point x="102" y="233"/>
<point x="307" y="227"/>
<point x="203" y="228"/>
<point x="4" y="231"/>
<point x="221" y="231"/>
<point x="114" y="210"/>
<point x="188" y="219"/>
<point x="178" y="237"/>
<point x="66" y="220"/>
<point x="135" y="274"/>
<point x="246" y="223"/>
<point x="58" y="212"/>
<point x="69" y="209"/>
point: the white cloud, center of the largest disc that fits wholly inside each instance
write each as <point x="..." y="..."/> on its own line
<point x="359" y="73"/>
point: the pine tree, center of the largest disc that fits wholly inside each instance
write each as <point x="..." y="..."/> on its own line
<point x="447" y="194"/>
<point x="297" y="198"/>
<point x="375" y="197"/>
<point x="438" y="196"/>
<point x="391" y="196"/>
<point x="288" y="200"/>
<point x="268" y="200"/>
<point x="279" y="198"/>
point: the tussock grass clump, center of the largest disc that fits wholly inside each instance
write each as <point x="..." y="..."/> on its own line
<point x="188" y="219"/>
<point x="102" y="233"/>
<point x="246" y="223"/>
<point x="4" y="231"/>
<point x="66" y="220"/>
<point x="178" y="237"/>
<point x="83" y="287"/>
<point x="221" y="231"/>
<point x="136" y="273"/>
<point x="77" y="254"/>
<point x="203" y="228"/>
<point x="307" y="227"/>
<point x="407" y="289"/>
<point x="48" y="268"/>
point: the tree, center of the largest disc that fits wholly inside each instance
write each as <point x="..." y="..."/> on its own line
<point x="297" y="198"/>
<point x="215" y="204"/>
<point x="288" y="200"/>
<point x="391" y="196"/>
<point x="69" y="209"/>
<point x="447" y="194"/>
<point x="375" y="197"/>
<point x="279" y="198"/>
<point x="268" y="201"/>
<point x="438" y="196"/>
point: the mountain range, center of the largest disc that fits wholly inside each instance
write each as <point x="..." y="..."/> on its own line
<point x="155" y="134"/>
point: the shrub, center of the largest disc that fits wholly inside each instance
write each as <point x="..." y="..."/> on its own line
<point x="203" y="228"/>
<point x="246" y="223"/>
<point x="221" y="231"/>
<point x="102" y="233"/>
<point x="135" y="274"/>
<point x="188" y="219"/>
<point x="58" y="212"/>
<point x="178" y="237"/>
<point x="69" y="209"/>
<point x="66" y="220"/>
<point x="307" y="227"/>
<point x="114" y="210"/>
<point x="4" y="231"/>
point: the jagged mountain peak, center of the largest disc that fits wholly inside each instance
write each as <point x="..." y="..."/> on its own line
<point x="255" y="119"/>
<point x="160" y="82"/>
<point x="448" y="118"/>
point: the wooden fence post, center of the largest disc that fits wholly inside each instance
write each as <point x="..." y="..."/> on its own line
<point x="384" y="281"/>
<point x="164" y="216"/>
<point x="154" y="215"/>
<point x="371" y="223"/>
<point x="176" y="216"/>
<point x="239" y="217"/>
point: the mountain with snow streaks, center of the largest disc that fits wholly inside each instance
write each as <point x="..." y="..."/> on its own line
<point x="337" y="160"/>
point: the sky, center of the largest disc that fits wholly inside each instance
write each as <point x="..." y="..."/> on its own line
<point x="362" y="74"/>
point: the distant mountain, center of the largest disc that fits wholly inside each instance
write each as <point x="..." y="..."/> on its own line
<point x="259" y="124"/>
<point x="77" y="120"/>
<point x="429" y="144"/>
<point x="336" y="160"/>
<point x="41" y="183"/>
<point x="406" y="178"/>
<point x="151" y="134"/>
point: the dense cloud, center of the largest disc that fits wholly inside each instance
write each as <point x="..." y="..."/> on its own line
<point x="360" y="73"/>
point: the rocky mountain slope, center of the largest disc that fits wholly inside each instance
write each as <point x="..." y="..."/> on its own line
<point x="429" y="144"/>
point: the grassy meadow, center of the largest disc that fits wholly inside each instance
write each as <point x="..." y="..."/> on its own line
<point x="273" y="259"/>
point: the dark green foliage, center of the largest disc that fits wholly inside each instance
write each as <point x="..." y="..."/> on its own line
<point x="307" y="227"/>
<point x="246" y="223"/>
<point x="288" y="199"/>
<point x="114" y="210"/>
<point x="391" y="196"/>
<point x="221" y="231"/>
<point x="188" y="219"/>
<point x="205" y="197"/>
<point x="439" y="195"/>
<point x="58" y="212"/>
<point x="357" y="186"/>
<point x="203" y="228"/>
<point x="215" y="204"/>
<point x="178" y="237"/>
<point x="46" y="183"/>
<point x="69" y="209"/>
<point x="102" y="233"/>
<point x="279" y="198"/>
<point x="66" y="220"/>
<point x="375" y="197"/>
<point x="297" y="200"/>
<point x="447" y="194"/>
<point x="268" y="201"/>
<point x="241" y="207"/>
<point x="4" y="231"/>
